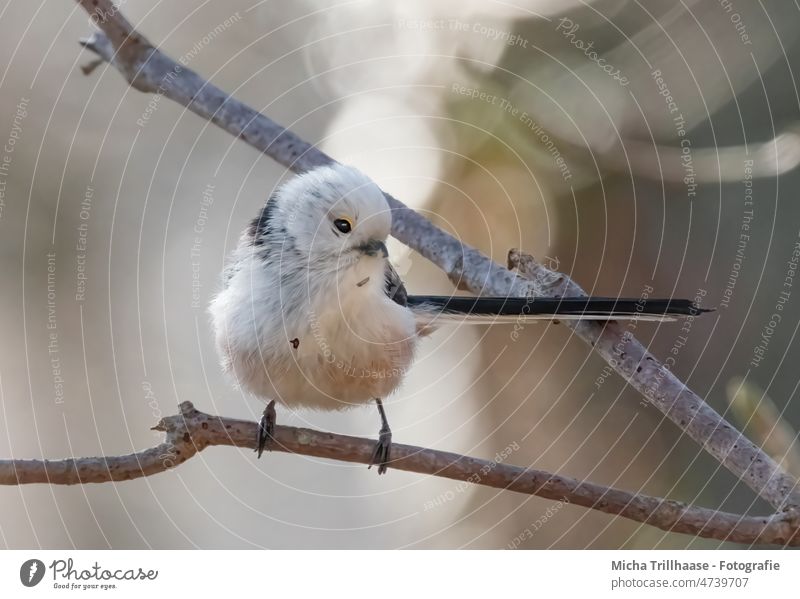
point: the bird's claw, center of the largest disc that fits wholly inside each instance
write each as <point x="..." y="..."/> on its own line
<point x="266" y="428"/>
<point x="381" y="455"/>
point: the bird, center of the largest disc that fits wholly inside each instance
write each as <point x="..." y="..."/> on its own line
<point x="312" y="314"/>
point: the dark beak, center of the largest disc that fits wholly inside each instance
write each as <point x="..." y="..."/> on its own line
<point x="374" y="247"/>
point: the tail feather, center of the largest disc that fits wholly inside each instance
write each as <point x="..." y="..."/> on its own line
<point x="498" y="309"/>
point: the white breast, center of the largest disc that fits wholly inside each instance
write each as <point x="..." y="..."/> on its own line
<point x="305" y="346"/>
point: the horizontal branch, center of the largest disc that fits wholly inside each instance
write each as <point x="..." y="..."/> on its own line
<point x="191" y="431"/>
<point x="148" y="69"/>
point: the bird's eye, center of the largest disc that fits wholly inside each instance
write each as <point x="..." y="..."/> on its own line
<point x="343" y="225"/>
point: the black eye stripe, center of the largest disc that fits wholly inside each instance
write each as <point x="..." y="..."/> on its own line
<point x="342" y="225"/>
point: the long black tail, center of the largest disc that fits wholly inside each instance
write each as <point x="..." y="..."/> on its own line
<point x="596" y="308"/>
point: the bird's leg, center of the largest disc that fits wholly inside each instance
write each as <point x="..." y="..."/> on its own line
<point x="266" y="428"/>
<point x="383" y="447"/>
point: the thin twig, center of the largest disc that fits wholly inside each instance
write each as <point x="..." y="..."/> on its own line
<point x="192" y="431"/>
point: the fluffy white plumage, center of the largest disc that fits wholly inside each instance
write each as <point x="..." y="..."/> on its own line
<point x="304" y="317"/>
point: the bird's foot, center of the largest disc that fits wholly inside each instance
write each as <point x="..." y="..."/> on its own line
<point x="266" y="428"/>
<point x="382" y="452"/>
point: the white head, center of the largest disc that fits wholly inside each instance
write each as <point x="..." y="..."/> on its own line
<point x="333" y="214"/>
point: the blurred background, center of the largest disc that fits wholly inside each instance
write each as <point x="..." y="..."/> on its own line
<point x="635" y="145"/>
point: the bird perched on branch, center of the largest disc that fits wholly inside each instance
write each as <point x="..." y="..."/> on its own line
<point x="313" y="315"/>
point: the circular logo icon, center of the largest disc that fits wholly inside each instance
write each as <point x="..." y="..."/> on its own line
<point x="31" y="572"/>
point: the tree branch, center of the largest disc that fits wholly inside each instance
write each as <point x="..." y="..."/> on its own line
<point x="191" y="431"/>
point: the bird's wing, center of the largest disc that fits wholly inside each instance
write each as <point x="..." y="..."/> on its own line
<point x="253" y="239"/>
<point x="395" y="290"/>
<point x="260" y="226"/>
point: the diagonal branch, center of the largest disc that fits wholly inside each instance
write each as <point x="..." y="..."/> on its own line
<point x="191" y="431"/>
<point x="149" y="70"/>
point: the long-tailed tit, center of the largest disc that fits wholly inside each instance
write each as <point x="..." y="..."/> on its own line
<point x="313" y="315"/>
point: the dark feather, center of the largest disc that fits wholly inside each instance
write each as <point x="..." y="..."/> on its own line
<point x="589" y="306"/>
<point x="260" y="226"/>
<point x="395" y="289"/>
